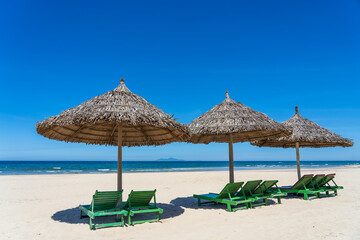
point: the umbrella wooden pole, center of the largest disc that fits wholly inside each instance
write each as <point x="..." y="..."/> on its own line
<point x="298" y="160"/>
<point x="231" y="160"/>
<point x="119" y="173"/>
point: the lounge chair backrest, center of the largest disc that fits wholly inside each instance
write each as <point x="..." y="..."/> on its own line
<point x="249" y="188"/>
<point x="230" y="188"/>
<point x="139" y="198"/>
<point x="265" y="186"/>
<point x="106" y="200"/>
<point x="326" y="179"/>
<point x="314" y="183"/>
<point x="303" y="181"/>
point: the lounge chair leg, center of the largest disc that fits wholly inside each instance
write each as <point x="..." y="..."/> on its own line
<point x="229" y="207"/>
<point x="279" y="199"/>
<point x="266" y="201"/>
<point x="306" y="196"/>
<point x="335" y="192"/>
<point x="92" y="226"/>
<point x="129" y="219"/>
<point x="122" y="220"/>
<point x="81" y="216"/>
<point x="199" y="202"/>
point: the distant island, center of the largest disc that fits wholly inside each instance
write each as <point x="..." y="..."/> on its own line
<point x="169" y="159"/>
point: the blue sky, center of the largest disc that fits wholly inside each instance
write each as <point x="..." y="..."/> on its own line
<point x="181" y="56"/>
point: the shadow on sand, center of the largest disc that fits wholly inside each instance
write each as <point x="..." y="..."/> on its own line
<point x="300" y="196"/>
<point x="191" y="202"/>
<point x="72" y="215"/>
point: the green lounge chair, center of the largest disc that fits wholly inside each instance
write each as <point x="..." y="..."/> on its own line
<point x="139" y="202"/>
<point x="325" y="186"/>
<point x="267" y="190"/>
<point x="314" y="183"/>
<point x="104" y="204"/>
<point x="300" y="188"/>
<point x="247" y="192"/>
<point x="226" y="196"/>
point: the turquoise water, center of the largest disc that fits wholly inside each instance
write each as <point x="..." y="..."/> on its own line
<point x="66" y="167"/>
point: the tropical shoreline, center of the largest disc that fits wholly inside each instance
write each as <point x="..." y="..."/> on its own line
<point x="46" y="207"/>
<point x="93" y="167"/>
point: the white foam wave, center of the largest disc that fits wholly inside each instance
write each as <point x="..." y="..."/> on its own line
<point x="104" y="170"/>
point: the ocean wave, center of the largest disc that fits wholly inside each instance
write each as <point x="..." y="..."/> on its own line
<point x="190" y="169"/>
<point x="41" y="167"/>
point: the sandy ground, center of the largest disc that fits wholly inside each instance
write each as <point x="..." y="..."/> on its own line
<point x="45" y="207"/>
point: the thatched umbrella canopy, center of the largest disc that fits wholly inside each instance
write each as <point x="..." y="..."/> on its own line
<point x="117" y="118"/>
<point x="305" y="134"/>
<point x="232" y="122"/>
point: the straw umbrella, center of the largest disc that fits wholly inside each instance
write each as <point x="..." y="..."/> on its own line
<point x="117" y="118"/>
<point x="305" y="134"/>
<point x="231" y="122"/>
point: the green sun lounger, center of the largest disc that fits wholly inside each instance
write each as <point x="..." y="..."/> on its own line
<point x="321" y="182"/>
<point x="247" y="192"/>
<point x="104" y="204"/>
<point x="300" y="188"/>
<point x="315" y="181"/>
<point x="267" y="190"/>
<point x="226" y="196"/>
<point x="324" y="184"/>
<point x="139" y="202"/>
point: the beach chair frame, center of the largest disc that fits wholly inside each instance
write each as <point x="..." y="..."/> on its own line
<point x="247" y="192"/>
<point x="325" y="186"/>
<point x="139" y="202"/>
<point x="300" y="188"/>
<point x="104" y="203"/>
<point x="267" y="190"/>
<point x="227" y="197"/>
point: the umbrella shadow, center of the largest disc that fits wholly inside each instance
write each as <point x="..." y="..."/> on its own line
<point x="301" y="196"/>
<point x="72" y="215"/>
<point x="185" y="202"/>
<point x="191" y="202"/>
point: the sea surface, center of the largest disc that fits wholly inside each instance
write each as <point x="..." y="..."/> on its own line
<point x="78" y="167"/>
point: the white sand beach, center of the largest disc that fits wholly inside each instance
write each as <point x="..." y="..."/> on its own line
<point x="46" y="207"/>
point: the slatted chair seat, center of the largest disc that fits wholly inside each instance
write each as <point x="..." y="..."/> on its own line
<point x="301" y="187"/>
<point x="325" y="186"/>
<point x="140" y="202"/>
<point x="104" y="204"/>
<point x="267" y="190"/>
<point x="226" y="196"/>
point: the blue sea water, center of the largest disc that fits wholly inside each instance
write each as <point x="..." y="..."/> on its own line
<point x="77" y="167"/>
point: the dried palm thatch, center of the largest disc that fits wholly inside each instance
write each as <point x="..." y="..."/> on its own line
<point x="96" y="122"/>
<point x="118" y="118"/>
<point x="232" y="122"/>
<point x="230" y="117"/>
<point x="307" y="134"/>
